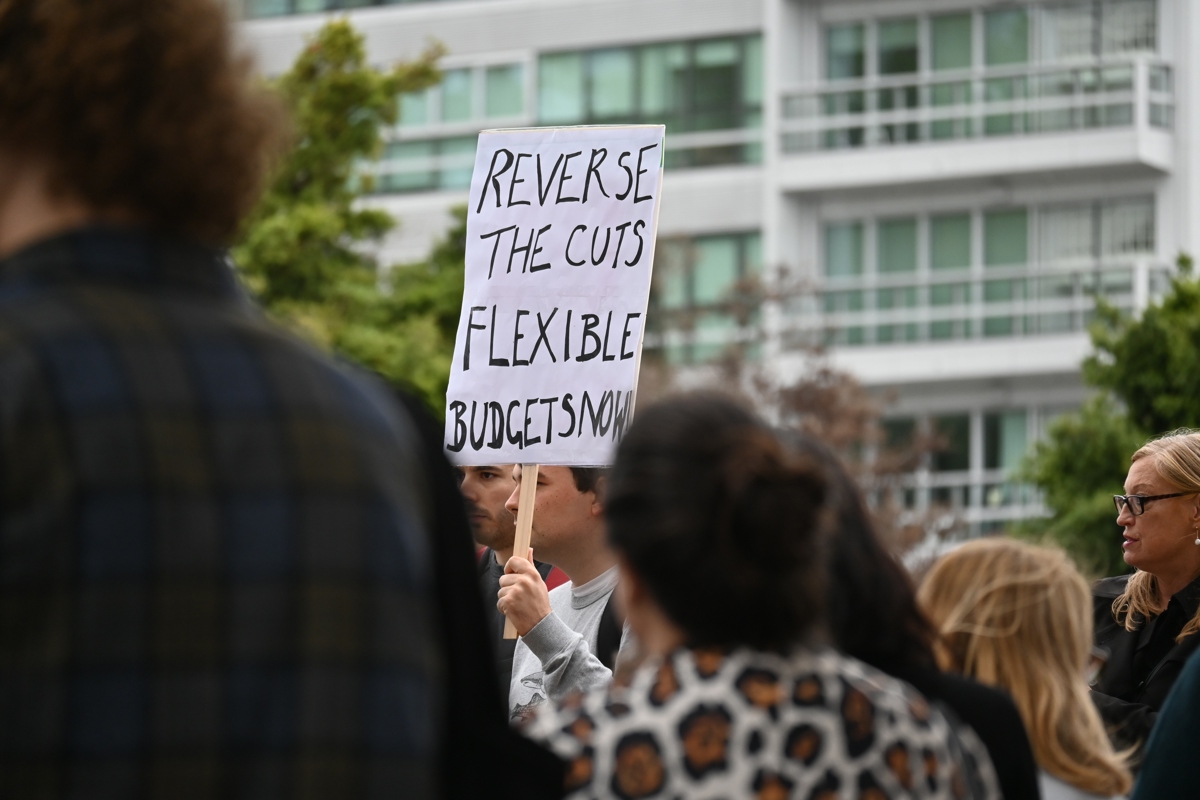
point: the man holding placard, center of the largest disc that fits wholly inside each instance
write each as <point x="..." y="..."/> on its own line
<point x="560" y="243"/>
<point x="558" y="652"/>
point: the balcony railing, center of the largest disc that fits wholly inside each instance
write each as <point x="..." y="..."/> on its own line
<point x="448" y="162"/>
<point x="970" y="304"/>
<point x="978" y="103"/>
<point x="261" y="9"/>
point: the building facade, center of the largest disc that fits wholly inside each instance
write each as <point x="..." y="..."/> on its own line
<point x="935" y="189"/>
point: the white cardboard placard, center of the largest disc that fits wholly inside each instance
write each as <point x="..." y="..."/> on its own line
<point x="560" y="242"/>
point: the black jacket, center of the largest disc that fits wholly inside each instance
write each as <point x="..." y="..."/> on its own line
<point x="1143" y="664"/>
<point x="481" y="755"/>
<point x="991" y="713"/>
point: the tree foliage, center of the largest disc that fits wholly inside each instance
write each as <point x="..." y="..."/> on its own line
<point x="1147" y="371"/>
<point x="1152" y="363"/>
<point x="306" y="251"/>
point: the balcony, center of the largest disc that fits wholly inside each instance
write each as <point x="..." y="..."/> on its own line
<point x="962" y="304"/>
<point x="444" y="164"/>
<point x="977" y="122"/>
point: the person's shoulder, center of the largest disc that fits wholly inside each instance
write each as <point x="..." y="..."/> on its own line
<point x="880" y="689"/>
<point x="1053" y="788"/>
<point x="987" y="701"/>
<point x="1110" y="588"/>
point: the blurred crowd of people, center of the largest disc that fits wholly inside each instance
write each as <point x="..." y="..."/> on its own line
<point x="231" y="566"/>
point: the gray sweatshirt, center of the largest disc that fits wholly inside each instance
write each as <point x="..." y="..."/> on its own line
<point x="556" y="657"/>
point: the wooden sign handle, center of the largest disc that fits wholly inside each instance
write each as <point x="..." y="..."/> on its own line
<point x="529" y="476"/>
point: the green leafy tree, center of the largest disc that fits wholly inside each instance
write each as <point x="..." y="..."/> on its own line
<point x="1147" y="369"/>
<point x="1152" y="363"/>
<point x="306" y="251"/>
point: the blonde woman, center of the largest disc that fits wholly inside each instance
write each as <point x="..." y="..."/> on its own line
<point x="1146" y="622"/>
<point x="1018" y="617"/>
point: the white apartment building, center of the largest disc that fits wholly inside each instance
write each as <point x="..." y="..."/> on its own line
<point x="935" y="188"/>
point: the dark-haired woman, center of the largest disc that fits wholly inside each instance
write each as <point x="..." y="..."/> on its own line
<point x="874" y="616"/>
<point x="716" y="525"/>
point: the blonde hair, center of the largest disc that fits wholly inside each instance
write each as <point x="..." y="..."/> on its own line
<point x="1177" y="461"/>
<point x="1019" y="617"/>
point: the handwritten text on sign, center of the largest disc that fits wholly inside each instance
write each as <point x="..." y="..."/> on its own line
<point x="560" y="242"/>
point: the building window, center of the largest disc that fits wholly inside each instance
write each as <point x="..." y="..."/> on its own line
<point x="953" y="443"/>
<point x="705" y="294"/>
<point x="465" y="96"/>
<point x="958" y="75"/>
<point x="426" y="165"/>
<point x="845" y="51"/>
<point x="260" y="9"/>
<point x="917" y="278"/>
<point x="708" y="85"/>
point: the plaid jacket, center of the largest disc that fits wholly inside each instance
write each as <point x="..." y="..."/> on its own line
<point x="214" y="570"/>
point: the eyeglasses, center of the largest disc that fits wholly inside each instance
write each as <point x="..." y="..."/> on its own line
<point x="1137" y="502"/>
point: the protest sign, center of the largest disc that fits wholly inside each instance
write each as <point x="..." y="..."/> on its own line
<point x="560" y="242"/>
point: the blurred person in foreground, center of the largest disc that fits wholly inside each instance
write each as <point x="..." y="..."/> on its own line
<point x="1147" y="622"/>
<point x="1170" y="768"/>
<point x="715" y="523"/>
<point x="216" y="550"/>
<point x="1016" y="616"/>
<point x="486" y="489"/>
<point x="874" y="616"/>
<point x="569" y="635"/>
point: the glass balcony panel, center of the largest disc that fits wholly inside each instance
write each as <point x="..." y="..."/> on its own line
<point x="1059" y="322"/>
<point x="458" y="161"/>
<point x="1057" y="84"/>
<point x="949" y="294"/>
<point x="1000" y="291"/>
<point x="414" y="163"/>
<point x="1160" y="78"/>
<point x="1117" y="79"/>
<point x="905" y="332"/>
<point x="839" y="302"/>
<point x="1162" y="116"/>
<point x="1058" y="287"/>
<point x="852" y="336"/>
<point x="1118" y="115"/>
<point x="998" y="326"/>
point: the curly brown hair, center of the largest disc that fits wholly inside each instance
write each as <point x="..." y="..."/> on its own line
<point x="139" y="106"/>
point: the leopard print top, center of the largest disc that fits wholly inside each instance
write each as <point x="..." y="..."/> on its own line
<point x="813" y="725"/>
